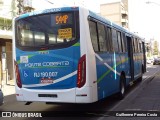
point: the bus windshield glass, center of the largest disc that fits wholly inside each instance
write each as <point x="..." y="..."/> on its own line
<point x="52" y="31"/>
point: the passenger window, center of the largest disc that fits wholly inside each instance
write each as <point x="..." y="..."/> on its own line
<point x="93" y="34"/>
<point x="102" y="37"/>
<point x="114" y="40"/>
<point x="122" y="41"/>
<point x="109" y="40"/>
<point x="133" y="45"/>
<point x="119" y="41"/>
<point x="138" y="49"/>
<point x="125" y="43"/>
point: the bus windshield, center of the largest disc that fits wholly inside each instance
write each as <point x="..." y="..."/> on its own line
<point x="50" y="31"/>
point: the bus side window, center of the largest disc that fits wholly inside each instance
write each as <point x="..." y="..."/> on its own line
<point x="109" y="39"/>
<point x="133" y="45"/>
<point x="102" y="37"/>
<point x="140" y="46"/>
<point x="122" y="42"/>
<point x="93" y="34"/>
<point x="125" y="42"/>
<point x="136" y="42"/>
<point x="114" y="40"/>
<point x="138" y="49"/>
<point x="137" y="45"/>
<point x="119" y="41"/>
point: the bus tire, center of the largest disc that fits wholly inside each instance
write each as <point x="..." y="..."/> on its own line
<point x="122" y="87"/>
<point x="142" y="69"/>
<point x="140" y="78"/>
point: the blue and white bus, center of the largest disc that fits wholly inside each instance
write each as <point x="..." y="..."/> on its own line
<point x="72" y="55"/>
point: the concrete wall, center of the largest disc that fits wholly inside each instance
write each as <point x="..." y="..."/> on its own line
<point x="8" y="69"/>
<point x="9" y="59"/>
<point x="0" y="65"/>
<point x="116" y="11"/>
<point x="111" y="11"/>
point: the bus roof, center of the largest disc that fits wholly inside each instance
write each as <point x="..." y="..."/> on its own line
<point x="52" y="10"/>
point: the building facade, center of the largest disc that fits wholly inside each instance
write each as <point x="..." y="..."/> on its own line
<point x="7" y="12"/>
<point x="116" y="12"/>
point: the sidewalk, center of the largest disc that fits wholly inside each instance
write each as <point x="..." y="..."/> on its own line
<point x="9" y="88"/>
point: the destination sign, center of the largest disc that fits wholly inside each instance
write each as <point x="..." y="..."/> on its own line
<point x="61" y="19"/>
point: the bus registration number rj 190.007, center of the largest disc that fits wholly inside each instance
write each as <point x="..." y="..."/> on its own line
<point x="45" y="74"/>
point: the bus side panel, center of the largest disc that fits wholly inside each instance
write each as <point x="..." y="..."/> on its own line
<point x="136" y="66"/>
<point x="90" y="87"/>
<point x="109" y="68"/>
<point x="105" y="77"/>
<point x="126" y="68"/>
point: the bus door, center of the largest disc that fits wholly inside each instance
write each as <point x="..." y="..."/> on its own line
<point x="130" y="57"/>
<point x="144" y="56"/>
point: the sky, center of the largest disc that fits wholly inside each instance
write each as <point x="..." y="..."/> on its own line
<point x="145" y="18"/>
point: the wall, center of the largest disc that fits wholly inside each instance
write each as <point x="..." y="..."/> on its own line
<point x="7" y="44"/>
<point x="111" y="11"/>
<point x="0" y="65"/>
<point x="9" y="59"/>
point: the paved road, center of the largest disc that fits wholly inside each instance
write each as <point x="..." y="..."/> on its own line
<point x="132" y="101"/>
<point x="144" y="97"/>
